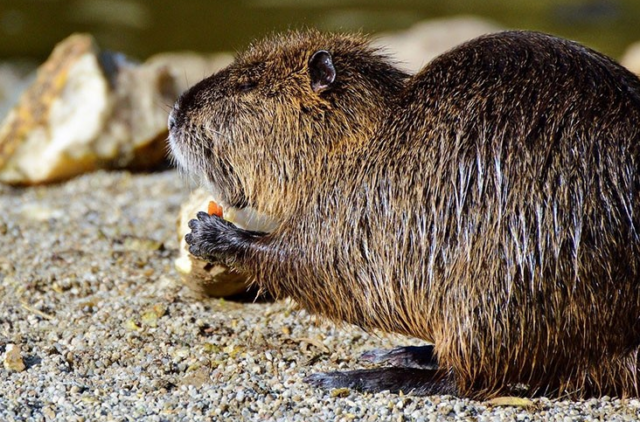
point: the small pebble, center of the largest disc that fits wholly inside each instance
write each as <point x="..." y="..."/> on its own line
<point x="13" y="358"/>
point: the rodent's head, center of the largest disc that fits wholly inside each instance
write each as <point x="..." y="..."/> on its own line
<point x="258" y="130"/>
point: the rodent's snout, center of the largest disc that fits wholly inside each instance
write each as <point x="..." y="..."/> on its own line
<point x="171" y="122"/>
<point x="175" y="117"/>
<point x="180" y="108"/>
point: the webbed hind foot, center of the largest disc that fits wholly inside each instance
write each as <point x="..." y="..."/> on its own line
<point x="418" y="382"/>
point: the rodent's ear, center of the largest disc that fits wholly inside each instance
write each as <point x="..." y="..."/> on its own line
<point x="321" y="70"/>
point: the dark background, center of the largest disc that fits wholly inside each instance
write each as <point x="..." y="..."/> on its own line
<point x="30" y="28"/>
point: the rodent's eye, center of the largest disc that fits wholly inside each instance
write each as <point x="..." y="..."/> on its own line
<point x="246" y="86"/>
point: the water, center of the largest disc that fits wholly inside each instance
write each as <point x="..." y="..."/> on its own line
<point x="30" y="28"/>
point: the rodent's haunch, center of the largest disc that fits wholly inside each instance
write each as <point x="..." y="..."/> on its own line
<point x="488" y="204"/>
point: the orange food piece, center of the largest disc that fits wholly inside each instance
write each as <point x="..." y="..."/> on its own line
<point x="214" y="209"/>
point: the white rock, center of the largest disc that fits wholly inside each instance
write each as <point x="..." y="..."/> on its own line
<point x="86" y="110"/>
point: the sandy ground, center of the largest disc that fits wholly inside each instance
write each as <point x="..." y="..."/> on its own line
<point x="107" y="332"/>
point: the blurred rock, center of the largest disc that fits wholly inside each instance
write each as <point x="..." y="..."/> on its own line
<point x="631" y="58"/>
<point x="86" y="110"/>
<point x="216" y="280"/>
<point x="416" y="46"/>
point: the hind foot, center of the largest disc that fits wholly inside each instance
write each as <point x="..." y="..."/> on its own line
<point x="414" y="370"/>
<point x="418" y="382"/>
<point x="418" y="357"/>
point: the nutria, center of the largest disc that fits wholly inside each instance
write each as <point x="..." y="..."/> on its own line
<point x="486" y="204"/>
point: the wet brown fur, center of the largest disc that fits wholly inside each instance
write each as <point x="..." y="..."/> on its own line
<point x="486" y="204"/>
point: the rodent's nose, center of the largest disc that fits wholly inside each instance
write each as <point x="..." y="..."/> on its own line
<point x="171" y="123"/>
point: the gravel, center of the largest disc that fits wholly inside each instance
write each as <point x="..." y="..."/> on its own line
<point x="107" y="332"/>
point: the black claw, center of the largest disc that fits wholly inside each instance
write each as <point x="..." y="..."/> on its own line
<point x="203" y="216"/>
<point x="194" y="251"/>
<point x="188" y="238"/>
<point x="193" y="224"/>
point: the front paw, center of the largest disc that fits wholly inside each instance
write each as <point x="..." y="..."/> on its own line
<point x="207" y="238"/>
<point x="214" y="239"/>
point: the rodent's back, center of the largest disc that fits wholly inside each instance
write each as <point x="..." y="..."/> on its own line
<point x="513" y="173"/>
